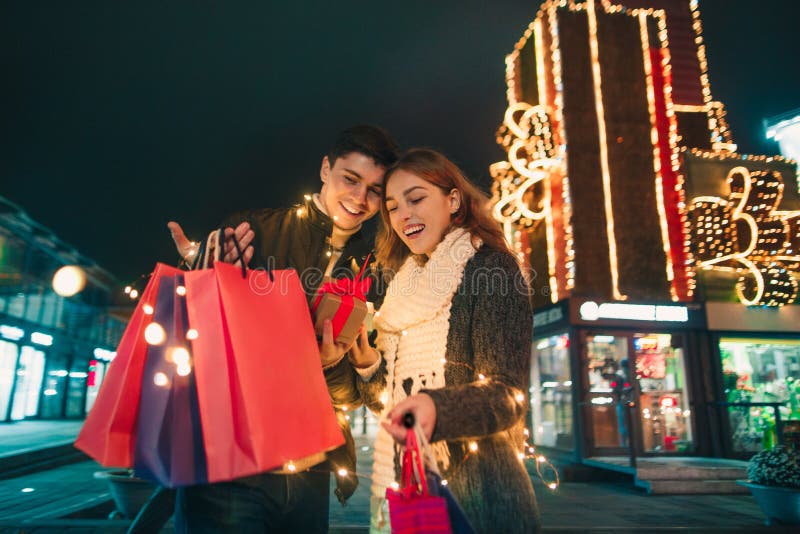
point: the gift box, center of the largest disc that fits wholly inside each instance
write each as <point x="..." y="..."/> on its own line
<point x="344" y="302"/>
<point x="345" y="312"/>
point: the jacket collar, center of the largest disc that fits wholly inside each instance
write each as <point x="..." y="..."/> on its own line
<point x="318" y="218"/>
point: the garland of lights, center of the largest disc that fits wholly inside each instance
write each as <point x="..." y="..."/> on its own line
<point x="670" y="194"/>
<point x="180" y="356"/>
<point x="527" y="137"/>
<point x="763" y="249"/>
<point x="557" y="88"/>
<point x="528" y="452"/>
<point x="155" y="334"/>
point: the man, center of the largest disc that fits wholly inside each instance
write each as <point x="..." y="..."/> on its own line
<point x="323" y="236"/>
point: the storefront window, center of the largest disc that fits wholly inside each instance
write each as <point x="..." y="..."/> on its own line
<point x="15" y="305"/>
<point x="97" y="372"/>
<point x="663" y="394"/>
<point x="55" y="384"/>
<point x="76" y="388"/>
<point x="759" y="370"/>
<point x="30" y="372"/>
<point x="8" y="364"/>
<point x="551" y="392"/>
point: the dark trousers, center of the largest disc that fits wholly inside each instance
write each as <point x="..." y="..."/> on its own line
<point x="155" y="512"/>
<point x="263" y="503"/>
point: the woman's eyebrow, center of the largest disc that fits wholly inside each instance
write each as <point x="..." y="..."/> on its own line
<point x="407" y="191"/>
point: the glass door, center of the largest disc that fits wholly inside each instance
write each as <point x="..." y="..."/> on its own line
<point x="647" y="369"/>
<point x="660" y="379"/>
<point x="605" y="361"/>
<point x="30" y="372"/>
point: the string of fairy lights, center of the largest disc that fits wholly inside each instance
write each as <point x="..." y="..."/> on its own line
<point x="763" y="250"/>
<point x="772" y="265"/>
<point x="180" y="356"/>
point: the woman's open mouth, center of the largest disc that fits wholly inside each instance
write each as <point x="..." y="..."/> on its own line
<point x="414" y="230"/>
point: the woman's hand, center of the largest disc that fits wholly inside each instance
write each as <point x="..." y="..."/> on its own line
<point x="424" y="410"/>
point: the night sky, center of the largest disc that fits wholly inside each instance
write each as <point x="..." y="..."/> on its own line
<point x="117" y="117"/>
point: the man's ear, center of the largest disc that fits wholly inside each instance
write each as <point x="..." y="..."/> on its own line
<point x="325" y="169"/>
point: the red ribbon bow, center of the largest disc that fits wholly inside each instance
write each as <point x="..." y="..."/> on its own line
<point x="349" y="289"/>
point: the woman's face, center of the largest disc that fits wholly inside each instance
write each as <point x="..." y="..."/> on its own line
<point x="419" y="211"/>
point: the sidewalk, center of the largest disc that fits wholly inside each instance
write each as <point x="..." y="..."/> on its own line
<point x="574" y="507"/>
<point x="25" y="436"/>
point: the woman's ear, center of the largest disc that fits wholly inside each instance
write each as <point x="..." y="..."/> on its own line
<point x="455" y="201"/>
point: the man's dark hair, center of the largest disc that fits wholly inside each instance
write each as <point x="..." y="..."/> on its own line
<point x="371" y="141"/>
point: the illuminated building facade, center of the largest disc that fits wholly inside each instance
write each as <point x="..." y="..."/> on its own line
<point x="53" y="350"/>
<point x="660" y="256"/>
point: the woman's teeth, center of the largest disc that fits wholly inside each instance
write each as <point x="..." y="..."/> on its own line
<point x="411" y="230"/>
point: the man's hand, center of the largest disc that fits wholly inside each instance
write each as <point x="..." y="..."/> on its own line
<point x="424" y="410"/>
<point x="187" y="249"/>
<point x="331" y="352"/>
<point x="244" y="236"/>
<point x="362" y="355"/>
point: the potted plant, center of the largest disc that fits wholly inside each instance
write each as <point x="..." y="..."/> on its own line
<point x="129" y="492"/>
<point x="774" y="481"/>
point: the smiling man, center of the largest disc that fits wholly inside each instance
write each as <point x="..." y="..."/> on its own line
<point x="321" y="237"/>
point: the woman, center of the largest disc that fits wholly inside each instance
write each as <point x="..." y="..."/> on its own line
<point x="454" y="333"/>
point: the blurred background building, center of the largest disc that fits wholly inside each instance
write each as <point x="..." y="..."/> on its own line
<point x="54" y="350"/>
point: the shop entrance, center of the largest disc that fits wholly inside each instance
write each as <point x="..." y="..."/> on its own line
<point x="647" y="369"/>
<point x="28" y="386"/>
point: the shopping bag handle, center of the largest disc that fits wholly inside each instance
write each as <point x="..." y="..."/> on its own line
<point x="202" y="260"/>
<point x="219" y="236"/>
<point x="239" y="255"/>
<point x="201" y="251"/>
<point x="428" y="458"/>
<point x="413" y="466"/>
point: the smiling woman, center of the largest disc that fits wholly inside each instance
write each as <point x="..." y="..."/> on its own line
<point x="427" y="196"/>
<point x="453" y="345"/>
<point x="420" y="211"/>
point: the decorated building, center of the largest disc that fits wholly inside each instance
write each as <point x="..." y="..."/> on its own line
<point x="665" y="264"/>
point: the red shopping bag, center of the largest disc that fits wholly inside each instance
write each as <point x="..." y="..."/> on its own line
<point x="109" y="431"/>
<point x="412" y="508"/>
<point x="262" y="395"/>
<point x="256" y="397"/>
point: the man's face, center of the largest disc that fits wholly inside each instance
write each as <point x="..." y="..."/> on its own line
<point x="351" y="189"/>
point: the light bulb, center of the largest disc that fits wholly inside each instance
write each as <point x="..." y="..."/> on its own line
<point x="154" y="334"/>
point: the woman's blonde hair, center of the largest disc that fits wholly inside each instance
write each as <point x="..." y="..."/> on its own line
<point x="472" y="214"/>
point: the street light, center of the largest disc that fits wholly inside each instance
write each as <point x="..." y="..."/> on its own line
<point x="69" y="280"/>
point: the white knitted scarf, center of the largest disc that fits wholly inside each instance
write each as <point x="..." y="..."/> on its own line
<point x="413" y="324"/>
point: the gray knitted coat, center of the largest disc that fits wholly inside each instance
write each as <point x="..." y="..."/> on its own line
<point x="490" y="329"/>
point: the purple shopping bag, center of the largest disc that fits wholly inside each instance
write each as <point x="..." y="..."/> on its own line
<point x="169" y="440"/>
